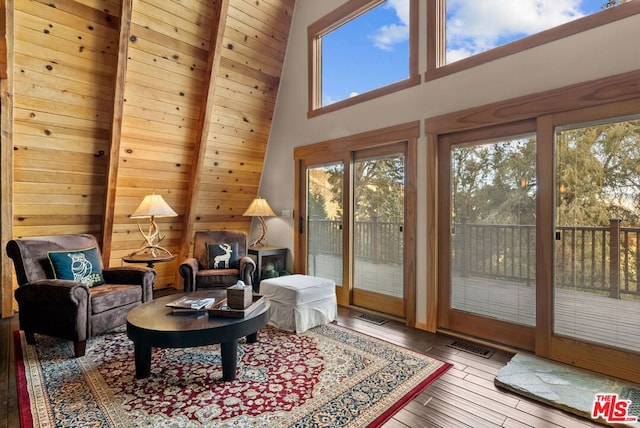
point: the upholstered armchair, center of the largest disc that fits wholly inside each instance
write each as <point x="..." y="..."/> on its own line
<point x="219" y="260"/>
<point x="64" y="291"/>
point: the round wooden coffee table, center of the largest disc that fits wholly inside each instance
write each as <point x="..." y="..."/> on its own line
<point x="153" y="324"/>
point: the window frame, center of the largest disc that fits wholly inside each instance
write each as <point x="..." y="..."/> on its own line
<point x="436" y="37"/>
<point x="333" y="20"/>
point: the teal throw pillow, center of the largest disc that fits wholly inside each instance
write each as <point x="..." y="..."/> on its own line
<point x="77" y="265"/>
<point x="223" y="256"/>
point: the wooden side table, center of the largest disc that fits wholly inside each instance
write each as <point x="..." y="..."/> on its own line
<point x="149" y="259"/>
<point x="263" y="254"/>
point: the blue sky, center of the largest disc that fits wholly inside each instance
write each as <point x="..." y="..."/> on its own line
<point x="373" y="50"/>
<point x="476" y="26"/>
<point x="369" y="52"/>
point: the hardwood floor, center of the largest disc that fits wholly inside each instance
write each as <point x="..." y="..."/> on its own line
<point x="8" y="395"/>
<point x="464" y="396"/>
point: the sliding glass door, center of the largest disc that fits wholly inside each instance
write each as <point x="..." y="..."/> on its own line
<point x="354" y="224"/>
<point x="539" y="237"/>
<point x="488" y="262"/>
<point x="597" y="238"/>
<point x="378" y="230"/>
<point x="324" y="219"/>
<point x="364" y="250"/>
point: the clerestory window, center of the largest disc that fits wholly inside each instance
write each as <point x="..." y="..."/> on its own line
<point x="362" y="50"/>
<point x="365" y="49"/>
<point x="465" y="33"/>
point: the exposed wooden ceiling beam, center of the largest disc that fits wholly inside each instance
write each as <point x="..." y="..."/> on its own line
<point x="213" y="63"/>
<point x="116" y="129"/>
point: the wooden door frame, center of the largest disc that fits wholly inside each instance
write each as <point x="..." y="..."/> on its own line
<point x="341" y="149"/>
<point x="609" y="96"/>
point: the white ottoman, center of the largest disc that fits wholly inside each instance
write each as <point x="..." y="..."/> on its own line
<point x="299" y="302"/>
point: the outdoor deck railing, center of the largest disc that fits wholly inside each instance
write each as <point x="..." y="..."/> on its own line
<point x="375" y="241"/>
<point x="599" y="259"/>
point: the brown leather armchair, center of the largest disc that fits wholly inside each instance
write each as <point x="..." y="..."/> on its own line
<point x="66" y="308"/>
<point x="207" y="270"/>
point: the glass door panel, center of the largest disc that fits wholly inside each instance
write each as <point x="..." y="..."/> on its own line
<point x="597" y="238"/>
<point x="378" y="233"/>
<point x="493" y="191"/>
<point x="325" y="221"/>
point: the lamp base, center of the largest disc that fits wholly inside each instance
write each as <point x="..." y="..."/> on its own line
<point x="151" y="241"/>
<point x="263" y="231"/>
<point x="154" y="250"/>
<point x="257" y="243"/>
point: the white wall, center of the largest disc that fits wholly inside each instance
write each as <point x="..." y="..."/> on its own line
<point x="601" y="52"/>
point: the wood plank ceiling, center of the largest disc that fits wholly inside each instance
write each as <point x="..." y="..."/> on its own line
<point x="117" y="99"/>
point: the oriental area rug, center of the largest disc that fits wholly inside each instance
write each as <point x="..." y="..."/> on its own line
<point x="328" y="376"/>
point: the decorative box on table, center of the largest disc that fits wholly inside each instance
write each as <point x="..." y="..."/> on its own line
<point x="239" y="296"/>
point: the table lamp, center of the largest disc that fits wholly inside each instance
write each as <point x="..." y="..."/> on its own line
<point x="259" y="208"/>
<point x="152" y="206"/>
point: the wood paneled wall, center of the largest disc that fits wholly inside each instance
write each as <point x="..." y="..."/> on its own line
<point x="166" y="70"/>
<point x="116" y="99"/>
<point x="65" y="63"/>
<point x="3" y="39"/>
<point x="246" y="84"/>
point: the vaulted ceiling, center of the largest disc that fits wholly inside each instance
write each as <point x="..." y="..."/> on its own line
<point x="111" y="100"/>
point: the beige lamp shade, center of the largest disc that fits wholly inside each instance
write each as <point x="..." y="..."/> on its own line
<point x="259" y="208"/>
<point x="153" y="206"/>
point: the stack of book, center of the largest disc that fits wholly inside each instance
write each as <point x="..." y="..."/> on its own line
<point x="191" y="305"/>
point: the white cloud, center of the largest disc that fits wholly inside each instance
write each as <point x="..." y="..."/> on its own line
<point x="353" y="94"/>
<point x="327" y="100"/>
<point x="475" y="26"/>
<point x="454" y="55"/>
<point x="402" y="10"/>
<point x="389" y="35"/>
